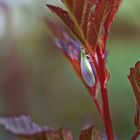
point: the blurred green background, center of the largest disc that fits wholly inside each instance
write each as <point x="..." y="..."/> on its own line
<point x="36" y="79"/>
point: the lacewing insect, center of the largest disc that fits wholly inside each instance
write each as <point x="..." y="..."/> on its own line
<point x="87" y="71"/>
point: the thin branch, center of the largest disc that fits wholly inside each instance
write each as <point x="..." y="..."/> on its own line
<point x="135" y="136"/>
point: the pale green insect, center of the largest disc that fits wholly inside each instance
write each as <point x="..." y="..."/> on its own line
<point x="86" y="69"/>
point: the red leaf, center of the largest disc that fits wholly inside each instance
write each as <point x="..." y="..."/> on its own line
<point x="85" y="16"/>
<point x="96" y="22"/>
<point x="69" y="3"/>
<point x="134" y="79"/>
<point x="137" y="118"/>
<point x="112" y="14"/>
<point x="78" y="10"/>
<point x="60" y="134"/>
<point x="75" y="7"/>
<point x="55" y="27"/>
<point x="90" y="134"/>
<point x="64" y="15"/>
<point x="87" y="25"/>
<point x="24" y="127"/>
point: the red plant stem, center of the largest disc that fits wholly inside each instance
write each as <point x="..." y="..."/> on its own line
<point x="98" y="105"/>
<point x="104" y="91"/>
<point x="135" y="136"/>
<point x="99" y="108"/>
<point x="107" y="116"/>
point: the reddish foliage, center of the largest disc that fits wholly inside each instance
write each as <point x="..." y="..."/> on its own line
<point x="78" y="10"/>
<point x="64" y="15"/>
<point x="134" y="78"/>
<point x="111" y="16"/>
<point x="23" y="127"/>
<point x="89" y="24"/>
<point x="92" y="28"/>
<point x="69" y="3"/>
<point x="86" y="15"/>
<point x="90" y="134"/>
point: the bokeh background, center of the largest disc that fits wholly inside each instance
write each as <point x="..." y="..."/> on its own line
<point x="36" y="79"/>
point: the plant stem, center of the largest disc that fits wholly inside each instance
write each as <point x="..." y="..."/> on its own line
<point x="135" y="136"/>
<point x="101" y="72"/>
<point x="107" y="116"/>
<point x="104" y="91"/>
<point x="98" y="106"/>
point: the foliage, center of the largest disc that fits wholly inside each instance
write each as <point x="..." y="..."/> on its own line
<point x="134" y="78"/>
<point x="90" y="26"/>
<point x="83" y="40"/>
<point x="23" y="127"/>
